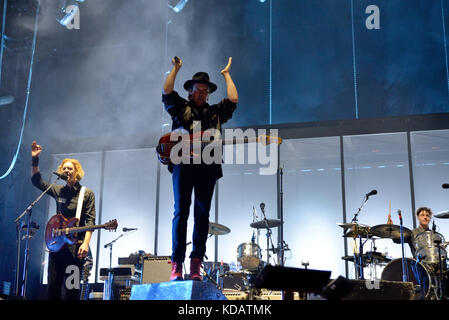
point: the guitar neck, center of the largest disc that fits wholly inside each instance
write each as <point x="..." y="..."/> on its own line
<point x="231" y="141"/>
<point x="81" y="229"/>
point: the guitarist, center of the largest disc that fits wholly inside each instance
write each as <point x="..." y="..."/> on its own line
<point x="197" y="178"/>
<point x="66" y="198"/>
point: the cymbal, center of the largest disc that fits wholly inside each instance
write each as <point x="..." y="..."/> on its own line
<point x="442" y="214"/>
<point x="218" y="229"/>
<point x="347" y="225"/>
<point x="352" y="234"/>
<point x="391" y="231"/>
<point x="266" y="223"/>
<point x="356" y="229"/>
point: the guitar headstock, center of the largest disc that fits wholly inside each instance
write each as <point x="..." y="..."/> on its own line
<point x="111" y="225"/>
<point x="265" y="140"/>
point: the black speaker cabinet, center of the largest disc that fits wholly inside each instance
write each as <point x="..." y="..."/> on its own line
<point x="382" y="290"/>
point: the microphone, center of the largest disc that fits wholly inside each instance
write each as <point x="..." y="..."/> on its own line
<point x="128" y="229"/>
<point x="400" y="216"/>
<point x="253" y="239"/>
<point x="262" y="206"/>
<point x="434" y="227"/>
<point x="445" y="186"/>
<point x="61" y="176"/>
<point x="371" y="193"/>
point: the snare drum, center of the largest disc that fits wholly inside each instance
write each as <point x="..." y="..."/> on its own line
<point x="249" y="255"/>
<point x="427" y="249"/>
<point x="417" y="273"/>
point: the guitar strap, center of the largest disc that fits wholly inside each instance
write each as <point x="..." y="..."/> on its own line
<point x="79" y="206"/>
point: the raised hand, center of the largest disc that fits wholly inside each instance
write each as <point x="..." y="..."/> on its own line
<point x="228" y="66"/>
<point x="177" y="62"/>
<point x="36" y="149"/>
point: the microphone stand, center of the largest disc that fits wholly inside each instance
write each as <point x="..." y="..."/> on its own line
<point x="359" y="261"/>
<point x="281" y="211"/>
<point x="28" y="236"/>
<point x="107" y="294"/>
<point x="404" y="266"/>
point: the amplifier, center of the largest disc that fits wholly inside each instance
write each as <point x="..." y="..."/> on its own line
<point x="232" y="294"/>
<point x="156" y="269"/>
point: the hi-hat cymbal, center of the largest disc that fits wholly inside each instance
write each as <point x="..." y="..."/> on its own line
<point x="355" y="230"/>
<point x="391" y="231"/>
<point x="218" y="229"/>
<point x="352" y="234"/>
<point x="266" y="223"/>
<point x="347" y="225"/>
<point x="442" y="215"/>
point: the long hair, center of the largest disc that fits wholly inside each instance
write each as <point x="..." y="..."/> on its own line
<point x="78" y="168"/>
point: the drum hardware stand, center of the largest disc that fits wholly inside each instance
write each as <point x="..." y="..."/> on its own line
<point x="374" y="261"/>
<point x="281" y="216"/>
<point x="440" y="266"/>
<point x="268" y="235"/>
<point x="29" y="235"/>
<point x="215" y="283"/>
<point x="255" y="217"/>
<point x="404" y="264"/>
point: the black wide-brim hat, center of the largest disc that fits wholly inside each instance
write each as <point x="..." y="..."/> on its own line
<point x="200" y="77"/>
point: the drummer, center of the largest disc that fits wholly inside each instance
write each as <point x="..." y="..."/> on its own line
<point x="424" y="216"/>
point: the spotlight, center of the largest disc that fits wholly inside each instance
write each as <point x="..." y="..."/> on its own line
<point x="179" y="6"/>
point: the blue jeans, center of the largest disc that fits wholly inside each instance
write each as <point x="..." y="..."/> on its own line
<point x="187" y="178"/>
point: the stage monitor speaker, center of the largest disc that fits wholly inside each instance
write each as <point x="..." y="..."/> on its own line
<point x="382" y="290"/>
<point x="177" y="290"/>
<point x="294" y="279"/>
<point x="337" y="289"/>
<point x="156" y="269"/>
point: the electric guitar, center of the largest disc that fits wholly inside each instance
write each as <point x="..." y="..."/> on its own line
<point x="60" y="231"/>
<point x="85" y="287"/>
<point x="165" y="146"/>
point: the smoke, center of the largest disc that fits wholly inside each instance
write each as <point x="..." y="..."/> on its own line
<point x="105" y="79"/>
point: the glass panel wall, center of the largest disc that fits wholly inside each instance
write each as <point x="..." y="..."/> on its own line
<point x="377" y="162"/>
<point x="241" y="190"/>
<point x="313" y="203"/>
<point x="129" y="195"/>
<point x="430" y="158"/>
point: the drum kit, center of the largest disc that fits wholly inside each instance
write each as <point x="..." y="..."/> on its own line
<point x="249" y="255"/>
<point x="428" y="270"/>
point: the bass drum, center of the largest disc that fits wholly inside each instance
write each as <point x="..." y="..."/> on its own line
<point x="417" y="273"/>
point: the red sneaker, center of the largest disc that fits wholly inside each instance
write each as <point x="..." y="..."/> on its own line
<point x="176" y="271"/>
<point x="195" y="269"/>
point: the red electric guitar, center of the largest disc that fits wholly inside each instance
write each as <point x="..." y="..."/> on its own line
<point x="60" y="231"/>
<point x="165" y="146"/>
